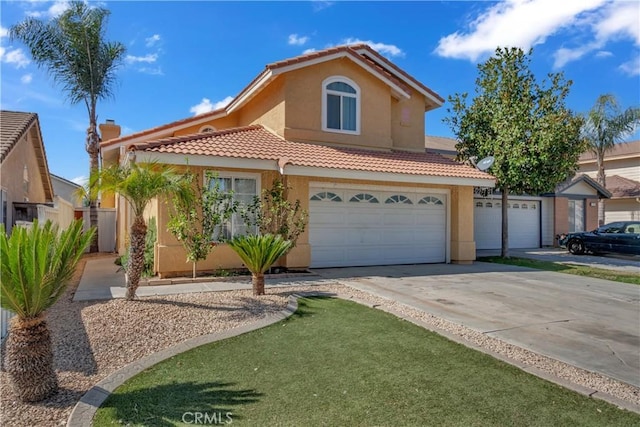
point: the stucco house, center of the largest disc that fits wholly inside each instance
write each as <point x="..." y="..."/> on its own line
<point x="622" y="179"/>
<point x="534" y="220"/>
<point x="24" y="173"/>
<point x="345" y="129"/>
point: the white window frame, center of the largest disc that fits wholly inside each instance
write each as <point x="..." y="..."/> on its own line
<point x="326" y="92"/>
<point x="232" y="175"/>
<point x="207" y="129"/>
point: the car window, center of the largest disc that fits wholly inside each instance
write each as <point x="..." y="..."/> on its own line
<point x="632" y="228"/>
<point x="614" y="227"/>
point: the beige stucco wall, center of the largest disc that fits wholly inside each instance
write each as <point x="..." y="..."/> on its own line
<point x="171" y="257"/>
<point x="12" y="175"/>
<point x="407" y="122"/>
<point x="219" y="124"/>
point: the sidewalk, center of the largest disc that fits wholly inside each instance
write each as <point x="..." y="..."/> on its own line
<point x="103" y="279"/>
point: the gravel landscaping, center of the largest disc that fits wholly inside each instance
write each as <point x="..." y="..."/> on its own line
<point x="93" y="339"/>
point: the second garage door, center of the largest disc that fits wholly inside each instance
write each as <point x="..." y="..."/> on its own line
<point x="524" y="224"/>
<point x="358" y="227"/>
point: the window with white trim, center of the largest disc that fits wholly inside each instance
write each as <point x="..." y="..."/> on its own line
<point x="207" y="129"/>
<point x="326" y="196"/>
<point x="399" y="198"/>
<point x="364" y="198"/>
<point x="340" y="105"/>
<point x="430" y="200"/>
<point x="244" y="189"/>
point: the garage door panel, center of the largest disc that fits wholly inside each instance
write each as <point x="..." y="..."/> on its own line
<point x="350" y="233"/>
<point x="524" y="224"/>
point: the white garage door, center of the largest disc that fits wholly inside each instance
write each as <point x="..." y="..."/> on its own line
<point x="356" y="227"/>
<point x="524" y="224"/>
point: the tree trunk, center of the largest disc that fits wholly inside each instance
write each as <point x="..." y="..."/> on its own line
<point x="29" y="359"/>
<point x="194" y="269"/>
<point x="601" y="181"/>
<point x="257" y="280"/>
<point x="135" y="266"/>
<point x="93" y="149"/>
<point x="505" y="223"/>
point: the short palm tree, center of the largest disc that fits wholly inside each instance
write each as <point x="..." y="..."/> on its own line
<point x="605" y="125"/>
<point x="36" y="264"/>
<point x="138" y="183"/>
<point x="259" y="252"/>
<point x="73" y="50"/>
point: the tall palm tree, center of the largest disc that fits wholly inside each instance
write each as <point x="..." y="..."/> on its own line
<point x="36" y="264"/>
<point x="73" y="50"/>
<point x="138" y="183"/>
<point x="259" y="252"/>
<point x="605" y="125"/>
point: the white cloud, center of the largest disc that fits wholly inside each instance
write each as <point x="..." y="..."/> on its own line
<point x="514" y="23"/>
<point x="153" y="71"/>
<point x="26" y="79"/>
<point x="382" y="48"/>
<point x="310" y="50"/>
<point x="319" y="5"/>
<point x="632" y="67"/>
<point x="56" y="9"/>
<point x="4" y="32"/>
<point x="205" y="105"/>
<point x="16" y="57"/>
<point x="150" y="41"/>
<point x="604" y="54"/>
<point x="148" y="58"/>
<point x="296" y="40"/>
<point x="80" y="180"/>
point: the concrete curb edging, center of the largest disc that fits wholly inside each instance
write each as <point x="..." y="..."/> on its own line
<point x="589" y="392"/>
<point x="84" y="411"/>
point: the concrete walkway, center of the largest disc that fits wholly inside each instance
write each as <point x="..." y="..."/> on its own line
<point x="616" y="262"/>
<point x="589" y="323"/>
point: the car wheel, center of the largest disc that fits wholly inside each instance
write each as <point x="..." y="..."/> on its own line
<point x="576" y="247"/>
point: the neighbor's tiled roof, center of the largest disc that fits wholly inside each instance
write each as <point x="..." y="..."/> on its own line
<point x="622" y="149"/>
<point x="13" y="125"/>
<point x="255" y="142"/>
<point x="621" y="188"/>
<point x="440" y="143"/>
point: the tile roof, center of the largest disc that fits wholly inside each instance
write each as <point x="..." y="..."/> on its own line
<point x="622" y="188"/>
<point x="256" y="142"/>
<point x="622" y="149"/>
<point x="13" y="125"/>
<point x="440" y="144"/>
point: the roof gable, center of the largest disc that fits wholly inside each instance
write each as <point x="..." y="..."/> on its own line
<point x="14" y="125"/>
<point x="368" y="59"/>
<point x="582" y="185"/>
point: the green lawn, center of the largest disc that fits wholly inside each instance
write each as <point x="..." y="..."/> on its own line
<point x="579" y="270"/>
<point x="338" y="363"/>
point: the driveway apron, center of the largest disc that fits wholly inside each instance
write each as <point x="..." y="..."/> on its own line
<point x="589" y="323"/>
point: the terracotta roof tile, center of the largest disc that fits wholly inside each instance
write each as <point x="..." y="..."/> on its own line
<point x="255" y="142"/>
<point x="622" y="188"/>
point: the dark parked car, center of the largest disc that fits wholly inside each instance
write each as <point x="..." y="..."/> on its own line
<point x="619" y="237"/>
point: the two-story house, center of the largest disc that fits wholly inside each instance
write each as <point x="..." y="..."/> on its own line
<point x="345" y="129"/>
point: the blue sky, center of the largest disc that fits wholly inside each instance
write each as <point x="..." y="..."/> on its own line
<point x="184" y="58"/>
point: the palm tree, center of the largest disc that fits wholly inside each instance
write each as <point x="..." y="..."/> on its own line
<point x="73" y="50"/>
<point x="605" y="125"/>
<point x="138" y="184"/>
<point x="258" y="253"/>
<point x="36" y="264"/>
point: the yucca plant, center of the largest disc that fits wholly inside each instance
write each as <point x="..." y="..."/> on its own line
<point x="259" y="253"/>
<point x="36" y="264"/>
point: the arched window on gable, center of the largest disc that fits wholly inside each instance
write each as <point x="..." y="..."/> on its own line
<point x="340" y="105"/>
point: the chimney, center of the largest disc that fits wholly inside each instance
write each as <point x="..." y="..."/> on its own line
<point x="109" y="130"/>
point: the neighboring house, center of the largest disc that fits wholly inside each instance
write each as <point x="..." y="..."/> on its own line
<point x="534" y="221"/>
<point x="345" y="128"/>
<point x="24" y="174"/>
<point x="67" y="190"/>
<point x="622" y="179"/>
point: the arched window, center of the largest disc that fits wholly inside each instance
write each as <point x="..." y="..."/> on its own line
<point x="340" y="105"/>
<point x="430" y="200"/>
<point x="399" y="198"/>
<point x="326" y="196"/>
<point x="364" y="197"/>
<point x="207" y="129"/>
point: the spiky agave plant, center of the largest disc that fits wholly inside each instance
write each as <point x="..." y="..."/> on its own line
<point x="36" y="264"/>
<point x="259" y="253"/>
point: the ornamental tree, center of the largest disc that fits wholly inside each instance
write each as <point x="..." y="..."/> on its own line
<point x="525" y="125"/>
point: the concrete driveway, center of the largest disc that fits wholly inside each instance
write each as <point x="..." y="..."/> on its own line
<point x="589" y="323"/>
